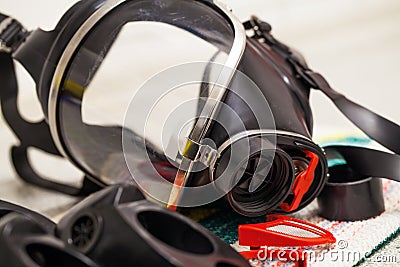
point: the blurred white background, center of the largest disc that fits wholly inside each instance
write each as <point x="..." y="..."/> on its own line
<point x="355" y="44"/>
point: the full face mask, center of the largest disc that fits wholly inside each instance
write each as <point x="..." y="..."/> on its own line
<point x="228" y="114"/>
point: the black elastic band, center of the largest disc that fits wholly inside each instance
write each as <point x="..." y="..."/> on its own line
<point x="8" y="96"/>
<point x="366" y="162"/>
<point x="369" y="162"/>
<point x="354" y="191"/>
<point x="375" y="126"/>
<point x="22" y="165"/>
<point x="346" y="197"/>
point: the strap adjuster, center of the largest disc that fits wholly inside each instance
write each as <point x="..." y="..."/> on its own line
<point x="203" y="153"/>
<point x="313" y="79"/>
<point x="303" y="72"/>
<point x="12" y="34"/>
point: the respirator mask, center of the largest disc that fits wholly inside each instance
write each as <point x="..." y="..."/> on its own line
<point x="182" y="99"/>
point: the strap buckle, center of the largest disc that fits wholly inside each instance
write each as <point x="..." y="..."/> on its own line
<point x="12" y="34"/>
<point x="262" y="30"/>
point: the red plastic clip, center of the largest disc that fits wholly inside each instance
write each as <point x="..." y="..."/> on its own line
<point x="302" y="183"/>
<point x="283" y="231"/>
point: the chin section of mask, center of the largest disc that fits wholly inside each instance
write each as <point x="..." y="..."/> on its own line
<point x="118" y="227"/>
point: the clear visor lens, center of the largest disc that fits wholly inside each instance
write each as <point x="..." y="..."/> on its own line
<point x="133" y="44"/>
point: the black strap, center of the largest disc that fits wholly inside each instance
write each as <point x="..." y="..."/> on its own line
<point x="375" y="126"/>
<point x="9" y="92"/>
<point x="358" y="197"/>
<point x="24" y="170"/>
<point x="340" y="203"/>
<point x="29" y="134"/>
<point x="369" y="162"/>
<point x="366" y="162"/>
